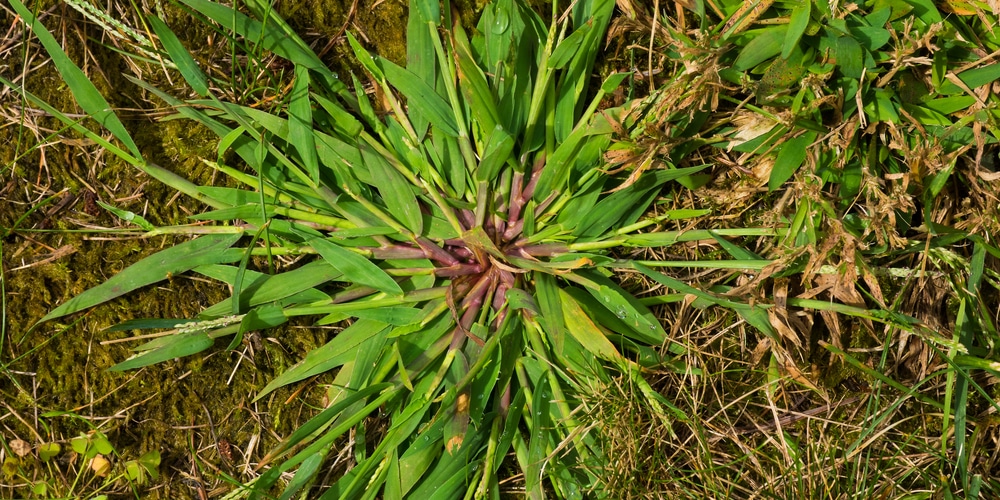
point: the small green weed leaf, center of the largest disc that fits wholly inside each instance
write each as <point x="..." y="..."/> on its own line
<point x="762" y="47"/>
<point x="83" y="90"/>
<point x="355" y="268"/>
<point x="151" y="462"/>
<point x="790" y="157"/>
<point x="585" y="331"/>
<point x="796" y="27"/>
<point x="47" y="451"/>
<point x="209" y="249"/>
<point x="186" y="64"/>
<point x="128" y="216"/>
<point x="80" y="444"/>
<point x="178" y="346"/>
<point x="300" y="130"/>
<point x="850" y="58"/>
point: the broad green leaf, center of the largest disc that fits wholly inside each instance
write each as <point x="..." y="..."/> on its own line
<point x="615" y="207"/>
<point x="790" y="157"/>
<point x="365" y="58"/>
<point x="498" y="150"/>
<point x="355" y="268"/>
<point x="765" y="45"/>
<point x="395" y="316"/>
<point x="84" y="91"/>
<point x="209" y="249"/>
<point x="304" y="475"/>
<point x="850" y="58"/>
<point x="625" y="307"/>
<point x="420" y="57"/>
<point x="178" y="346"/>
<point x="541" y="423"/>
<point x="796" y="27"/>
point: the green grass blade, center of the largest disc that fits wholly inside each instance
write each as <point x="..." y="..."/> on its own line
<point x="277" y="287"/>
<point x="790" y="158"/>
<point x="797" y="25"/>
<point x="300" y="128"/>
<point x="582" y="327"/>
<point x="84" y="91"/>
<point x="395" y="191"/>
<point x="276" y="37"/>
<point x="420" y="96"/>
<point x="210" y="249"/>
<point x="178" y="346"/>
<point x="334" y="353"/>
<point x="186" y="64"/>
<point x="355" y="268"/>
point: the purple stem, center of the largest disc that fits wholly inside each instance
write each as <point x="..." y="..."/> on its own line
<point x="396" y="252"/>
<point x="545" y="249"/>
<point x="458" y="270"/>
<point x="434" y="252"/>
<point x="466" y="218"/>
<point x="516" y="202"/>
<point x="536" y="172"/>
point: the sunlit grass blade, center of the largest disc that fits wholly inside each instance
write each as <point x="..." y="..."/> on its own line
<point x="210" y="249"/>
<point x="84" y="91"/>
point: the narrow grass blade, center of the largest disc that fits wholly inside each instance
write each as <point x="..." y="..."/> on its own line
<point x="355" y="268"/>
<point x="421" y="96"/>
<point x="277" y="287"/>
<point x="334" y="353"/>
<point x="300" y="129"/>
<point x="84" y="91"/>
<point x="585" y="331"/>
<point x="276" y="36"/>
<point x="209" y="249"/>
<point x="186" y="64"/>
<point x="395" y="191"/>
<point x="178" y="346"/>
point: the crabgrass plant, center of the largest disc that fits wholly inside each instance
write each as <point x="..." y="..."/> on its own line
<point x="464" y="230"/>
